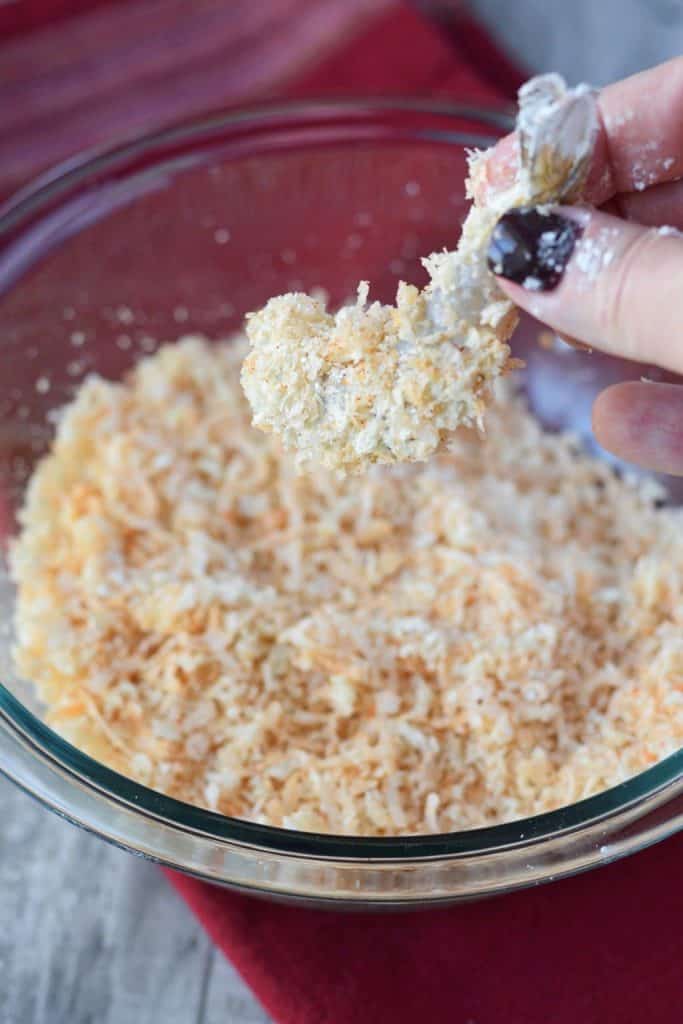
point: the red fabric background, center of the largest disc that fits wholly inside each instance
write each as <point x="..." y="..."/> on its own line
<point x="601" y="948"/>
<point x="28" y="15"/>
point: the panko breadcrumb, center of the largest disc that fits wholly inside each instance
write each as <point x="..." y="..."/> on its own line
<point x="492" y="634"/>
<point x="382" y="384"/>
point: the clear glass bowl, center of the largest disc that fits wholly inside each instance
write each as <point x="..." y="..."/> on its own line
<point x="187" y="230"/>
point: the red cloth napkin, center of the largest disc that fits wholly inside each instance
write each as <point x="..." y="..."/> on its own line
<point x="402" y="53"/>
<point x="602" y="948"/>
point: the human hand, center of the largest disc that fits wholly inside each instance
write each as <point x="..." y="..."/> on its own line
<point x="611" y="274"/>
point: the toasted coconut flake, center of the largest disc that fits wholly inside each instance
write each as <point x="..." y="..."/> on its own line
<point x="487" y="636"/>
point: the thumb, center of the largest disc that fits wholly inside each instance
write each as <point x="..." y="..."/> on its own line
<point x="610" y="283"/>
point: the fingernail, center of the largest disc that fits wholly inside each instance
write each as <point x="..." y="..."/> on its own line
<point x="532" y="248"/>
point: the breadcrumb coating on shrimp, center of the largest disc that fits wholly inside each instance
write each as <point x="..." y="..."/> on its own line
<point x="374" y="383"/>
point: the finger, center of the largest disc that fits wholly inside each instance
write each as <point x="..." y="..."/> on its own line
<point x="499" y="169"/>
<point x="639" y="144"/>
<point x="613" y="284"/>
<point x="662" y="204"/>
<point x="641" y="140"/>
<point x="642" y="423"/>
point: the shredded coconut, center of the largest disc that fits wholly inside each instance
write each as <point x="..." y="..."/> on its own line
<point x="486" y="636"/>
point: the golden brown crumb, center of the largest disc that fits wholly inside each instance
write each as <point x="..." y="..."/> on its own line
<point x="486" y="636"/>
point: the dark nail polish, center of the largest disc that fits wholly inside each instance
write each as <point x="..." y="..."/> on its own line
<point x="532" y="248"/>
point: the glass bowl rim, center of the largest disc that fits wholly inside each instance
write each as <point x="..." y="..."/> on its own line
<point x="16" y="215"/>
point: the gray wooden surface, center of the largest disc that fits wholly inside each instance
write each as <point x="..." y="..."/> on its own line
<point x="90" y="935"/>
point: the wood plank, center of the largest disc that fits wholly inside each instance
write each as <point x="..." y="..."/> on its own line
<point x="89" y="933"/>
<point x="162" y="955"/>
<point x="227" y="998"/>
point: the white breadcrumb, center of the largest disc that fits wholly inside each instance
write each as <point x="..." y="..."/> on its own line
<point x="492" y="634"/>
<point x="382" y="384"/>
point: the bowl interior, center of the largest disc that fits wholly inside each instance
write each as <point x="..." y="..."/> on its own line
<point x="136" y="250"/>
<point x="190" y="243"/>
